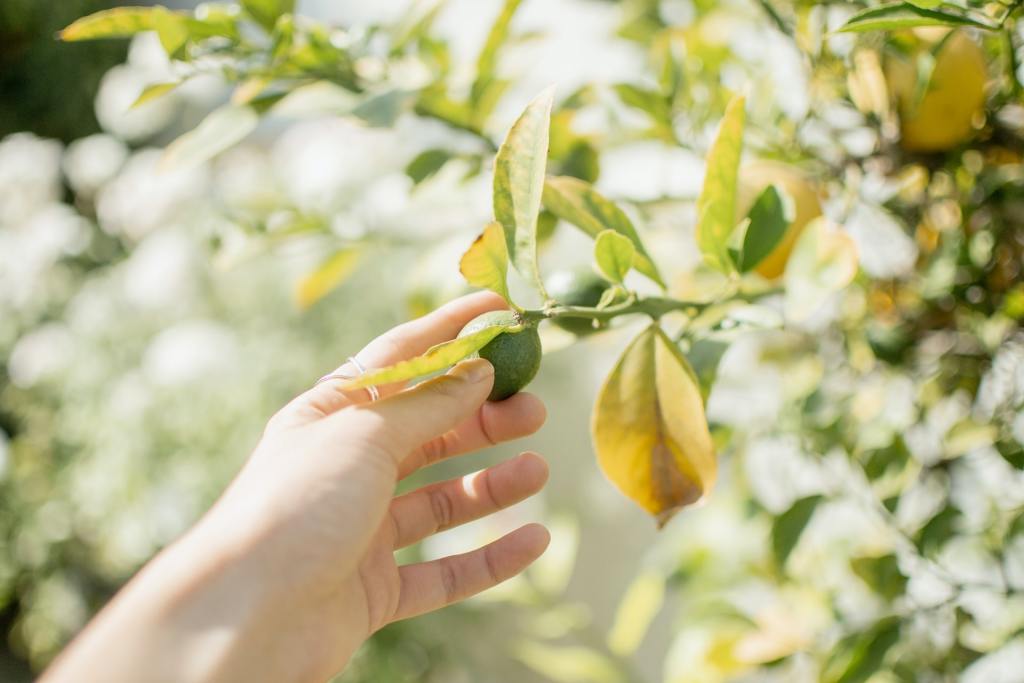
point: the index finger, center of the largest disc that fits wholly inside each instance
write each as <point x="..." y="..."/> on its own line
<point x="413" y="338"/>
<point x="405" y="341"/>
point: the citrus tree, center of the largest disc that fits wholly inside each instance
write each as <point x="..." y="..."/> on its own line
<point x="856" y="247"/>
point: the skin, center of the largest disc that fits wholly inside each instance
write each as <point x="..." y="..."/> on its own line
<point x="293" y="568"/>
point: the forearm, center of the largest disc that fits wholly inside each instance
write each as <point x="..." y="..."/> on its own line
<point x="194" y="614"/>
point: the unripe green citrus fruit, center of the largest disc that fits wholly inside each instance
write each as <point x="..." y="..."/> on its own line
<point x="514" y="355"/>
<point x="577" y="287"/>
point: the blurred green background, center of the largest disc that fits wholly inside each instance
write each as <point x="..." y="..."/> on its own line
<point x="45" y="87"/>
<point x="867" y="523"/>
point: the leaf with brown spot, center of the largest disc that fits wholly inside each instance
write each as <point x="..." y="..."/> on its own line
<point x="649" y="429"/>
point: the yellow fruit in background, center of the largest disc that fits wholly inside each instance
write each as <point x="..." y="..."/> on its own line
<point x="755" y="177"/>
<point x="943" y="116"/>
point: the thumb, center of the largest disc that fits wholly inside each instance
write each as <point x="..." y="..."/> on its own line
<point x="401" y="423"/>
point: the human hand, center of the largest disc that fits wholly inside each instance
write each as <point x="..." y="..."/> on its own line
<point x="294" y="567"/>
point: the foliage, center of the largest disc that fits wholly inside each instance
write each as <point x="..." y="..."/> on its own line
<point x="60" y="105"/>
<point x="864" y="398"/>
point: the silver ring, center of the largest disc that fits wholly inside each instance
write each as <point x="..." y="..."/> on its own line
<point x="371" y="390"/>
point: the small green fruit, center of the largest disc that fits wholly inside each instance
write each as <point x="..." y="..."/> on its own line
<point x="579" y="287"/>
<point x="514" y="355"/>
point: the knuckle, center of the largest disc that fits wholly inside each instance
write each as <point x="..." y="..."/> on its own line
<point x="446" y="387"/>
<point x="441" y="507"/>
<point x="486" y="428"/>
<point x="372" y="441"/>
<point x="449" y="580"/>
<point x="491" y="566"/>
<point x="488" y="490"/>
<point x="434" y="450"/>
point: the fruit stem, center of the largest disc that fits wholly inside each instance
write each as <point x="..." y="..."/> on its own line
<point x="652" y="306"/>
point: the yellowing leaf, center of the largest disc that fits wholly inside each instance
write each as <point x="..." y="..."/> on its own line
<point x="436" y="358"/>
<point x="641" y="603"/>
<point x="221" y="129"/>
<point x="327" y="277"/>
<point x="716" y="206"/>
<point x="121" y="22"/>
<point x="649" y="430"/>
<point x="154" y="91"/>
<point x="568" y="663"/>
<point x="485" y="263"/>
<point x="519" y="184"/>
<point x="614" y="254"/>
<point x="577" y="202"/>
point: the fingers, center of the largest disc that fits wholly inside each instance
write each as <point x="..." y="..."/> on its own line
<point x="416" y="336"/>
<point x="396" y="426"/>
<point x="516" y="417"/>
<point x="428" y="586"/>
<point x="399" y="343"/>
<point x="446" y="504"/>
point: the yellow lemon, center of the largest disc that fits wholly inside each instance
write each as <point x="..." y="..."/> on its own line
<point x="943" y="116"/>
<point x="758" y="175"/>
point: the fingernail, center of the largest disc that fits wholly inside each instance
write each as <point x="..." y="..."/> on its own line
<point x="473" y="371"/>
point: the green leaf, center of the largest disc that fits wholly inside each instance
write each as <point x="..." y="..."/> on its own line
<point x="614" y="255"/>
<point x="716" y="206"/>
<point x="654" y="104"/>
<point x="857" y="657"/>
<point x="882" y="574"/>
<point x="769" y="217"/>
<point x="267" y="12"/>
<point x="901" y="15"/>
<point x="486" y="62"/>
<point x="153" y="92"/>
<point x="426" y="164"/>
<point x="382" y="109"/>
<point x="485" y="263"/>
<point x="121" y="22"/>
<point x="221" y="129"/>
<point x="577" y="202"/>
<point x="519" y="184"/>
<point x="583" y="161"/>
<point x="436" y="358"/>
<point x="938" y="530"/>
<point x="327" y="277"/>
<point x="788" y="527"/>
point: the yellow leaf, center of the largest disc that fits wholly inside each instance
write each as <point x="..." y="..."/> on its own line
<point x="154" y="91"/>
<point x="326" y="278"/>
<point x="716" y="206"/>
<point x="436" y="358"/>
<point x="650" y="433"/>
<point x="485" y="263"/>
<point x="568" y="663"/>
<point x="639" y="606"/>
<point x="120" y="22"/>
